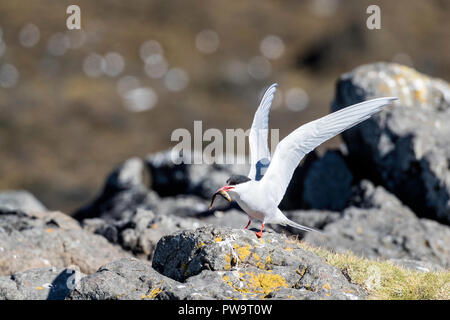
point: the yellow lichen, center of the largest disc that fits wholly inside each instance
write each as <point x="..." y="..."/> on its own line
<point x="218" y="239"/>
<point x="39" y="288"/>
<point x="326" y="286"/>
<point x="243" y="252"/>
<point x="256" y="256"/>
<point x="201" y="244"/>
<point x="265" y="282"/>
<point x="420" y="95"/>
<point x="254" y="284"/>
<point x="154" y="293"/>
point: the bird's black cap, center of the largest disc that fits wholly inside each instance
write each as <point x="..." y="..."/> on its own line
<point x="237" y="179"/>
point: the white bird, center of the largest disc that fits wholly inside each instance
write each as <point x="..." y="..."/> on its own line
<point x="260" y="194"/>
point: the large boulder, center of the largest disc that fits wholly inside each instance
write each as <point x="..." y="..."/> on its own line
<point x="272" y="267"/>
<point x="406" y="147"/>
<point x="35" y="240"/>
<point x="20" y="200"/>
<point x="328" y="183"/>
<point x="380" y="226"/>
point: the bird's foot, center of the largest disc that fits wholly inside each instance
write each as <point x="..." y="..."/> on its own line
<point x="259" y="234"/>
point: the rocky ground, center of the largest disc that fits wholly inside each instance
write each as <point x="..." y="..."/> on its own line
<point x="384" y="196"/>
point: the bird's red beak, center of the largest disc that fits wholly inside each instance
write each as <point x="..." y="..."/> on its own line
<point x="225" y="188"/>
<point x="223" y="192"/>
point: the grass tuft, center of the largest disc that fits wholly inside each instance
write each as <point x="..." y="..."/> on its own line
<point x="385" y="280"/>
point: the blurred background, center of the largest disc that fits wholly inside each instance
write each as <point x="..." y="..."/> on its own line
<point x="73" y="104"/>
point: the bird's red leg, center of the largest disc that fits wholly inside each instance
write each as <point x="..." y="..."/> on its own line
<point x="259" y="234"/>
<point x="249" y="221"/>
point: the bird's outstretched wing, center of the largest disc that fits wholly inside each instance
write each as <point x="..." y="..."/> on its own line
<point x="290" y="151"/>
<point x="259" y="149"/>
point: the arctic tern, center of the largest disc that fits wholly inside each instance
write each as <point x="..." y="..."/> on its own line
<point x="260" y="193"/>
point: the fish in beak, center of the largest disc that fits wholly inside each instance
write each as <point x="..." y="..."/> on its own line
<point x="223" y="192"/>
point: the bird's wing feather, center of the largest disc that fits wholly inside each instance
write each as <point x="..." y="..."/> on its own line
<point x="259" y="149"/>
<point x="290" y="151"/>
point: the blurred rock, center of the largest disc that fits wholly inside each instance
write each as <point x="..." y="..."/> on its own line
<point x="316" y="219"/>
<point x="264" y="266"/>
<point x="416" y="265"/>
<point x="234" y="219"/>
<point x="406" y="147"/>
<point x="123" y="193"/>
<point x="39" y="284"/>
<point x="293" y="198"/>
<point x="20" y="200"/>
<point x="183" y="206"/>
<point x="328" y="183"/>
<point x="384" y="228"/>
<point x="146" y="228"/>
<point x="50" y="239"/>
<point x="169" y="179"/>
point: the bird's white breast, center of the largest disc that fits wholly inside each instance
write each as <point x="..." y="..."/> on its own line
<point x="253" y="200"/>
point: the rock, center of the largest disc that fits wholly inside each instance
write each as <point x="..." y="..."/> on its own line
<point x="50" y="239"/>
<point x="123" y="193"/>
<point x="183" y="206"/>
<point x="406" y="147"/>
<point x="124" y="279"/>
<point x="169" y="179"/>
<point x="9" y="290"/>
<point x="20" y="200"/>
<point x="142" y="232"/>
<point x="384" y="228"/>
<point x="328" y="183"/>
<point x="39" y="284"/>
<point x="293" y="198"/>
<point x="133" y="279"/>
<point x="252" y="267"/>
<point x="234" y="219"/>
<point x="129" y="214"/>
<point x="316" y="219"/>
<point x="146" y="228"/>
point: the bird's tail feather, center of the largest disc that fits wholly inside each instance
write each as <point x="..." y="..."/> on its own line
<point x="299" y="226"/>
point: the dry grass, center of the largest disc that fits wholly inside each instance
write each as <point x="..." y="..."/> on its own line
<point x="387" y="281"/>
